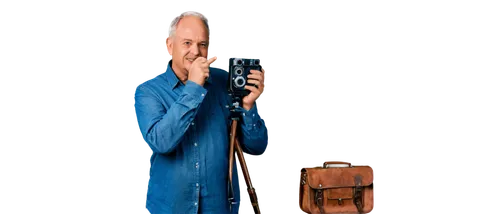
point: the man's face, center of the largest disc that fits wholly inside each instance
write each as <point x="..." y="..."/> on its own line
<point x="189" y="42"/>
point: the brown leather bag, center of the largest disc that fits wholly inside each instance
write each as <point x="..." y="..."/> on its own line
<point x="337" y="187"/>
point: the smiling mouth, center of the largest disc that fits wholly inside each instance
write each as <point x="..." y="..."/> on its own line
<point x="191" y="59"/>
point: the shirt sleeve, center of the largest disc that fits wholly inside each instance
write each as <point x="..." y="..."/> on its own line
<point x="161" y="127"/>
<point x="253" y="132"/>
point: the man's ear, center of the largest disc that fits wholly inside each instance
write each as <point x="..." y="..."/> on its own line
<point x="167" y="45"/>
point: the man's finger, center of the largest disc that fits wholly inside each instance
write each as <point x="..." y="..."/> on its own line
<point x="255" y="82"/>
<point x="252" y="89"/>
<point x="254" y="76"/>
<point x="199" y="59"/>
<point x="254" y="71"/>
<point x="205" y="65"/>
<point x="211" y="60"/>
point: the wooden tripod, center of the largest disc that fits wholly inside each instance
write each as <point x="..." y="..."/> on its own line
<point x="234" y="144"/>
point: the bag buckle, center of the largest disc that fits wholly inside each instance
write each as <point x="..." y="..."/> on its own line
<point x="319" y="197"/>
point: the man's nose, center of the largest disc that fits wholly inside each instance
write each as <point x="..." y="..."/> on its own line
<point x="195" y="50"/>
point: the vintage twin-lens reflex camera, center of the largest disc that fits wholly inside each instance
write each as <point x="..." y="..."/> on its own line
<point x="239" y="68"/>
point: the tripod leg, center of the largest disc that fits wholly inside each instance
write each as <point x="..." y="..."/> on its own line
<point x="231" y="160"/>
<point x="247" y="178"/>
<point x="231" y="148"/>
<point x="235" y="145"/>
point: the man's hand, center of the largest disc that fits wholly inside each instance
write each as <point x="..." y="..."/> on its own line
<point x="257" y="78"/>
<point x="199" y="71"/>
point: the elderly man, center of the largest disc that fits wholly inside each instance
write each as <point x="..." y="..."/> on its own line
<point x="183" y="116"/>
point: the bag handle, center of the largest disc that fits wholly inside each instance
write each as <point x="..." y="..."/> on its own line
<point x="336" y="164"/>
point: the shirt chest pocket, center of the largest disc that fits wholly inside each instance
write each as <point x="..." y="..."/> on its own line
<point x="214" y="113"/>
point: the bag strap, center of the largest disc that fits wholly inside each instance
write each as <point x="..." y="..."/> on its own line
<point x="358" y="193"/>
<point x="303" y="180"/>
<point x="319" y="199"/>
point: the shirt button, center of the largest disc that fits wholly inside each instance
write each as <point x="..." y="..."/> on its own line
<point x="192" y="123"/>
<point x="202" y="95"/>
<point x="195" y="144"/>
<point x="197" y="165"/>
<point x="197" y="184"/>
<point x="195" y="203"/>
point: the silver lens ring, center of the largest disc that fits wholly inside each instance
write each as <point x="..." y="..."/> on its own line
<point x="239" y="82"/>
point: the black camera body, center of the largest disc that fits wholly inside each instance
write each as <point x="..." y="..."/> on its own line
<point x="239" y="68"/>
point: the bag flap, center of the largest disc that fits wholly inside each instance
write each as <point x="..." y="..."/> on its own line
<point x="336" y="193"/>
<point x="338" y="177"/>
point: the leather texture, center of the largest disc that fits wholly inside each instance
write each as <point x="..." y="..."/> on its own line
<point x="336" y="189"/>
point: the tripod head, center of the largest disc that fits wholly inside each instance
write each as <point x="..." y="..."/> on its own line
<point x="236" y="108"/>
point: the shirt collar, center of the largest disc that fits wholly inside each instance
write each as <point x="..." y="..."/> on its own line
<point x="173" y="80"/>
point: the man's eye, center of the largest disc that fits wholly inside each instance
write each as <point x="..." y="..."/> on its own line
<point x="204" y="45"/>
<point x="187" y="43"/>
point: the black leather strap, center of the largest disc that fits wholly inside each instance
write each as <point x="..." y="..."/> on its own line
<point x="319" y="200"/>
<point x="358" y="193"/>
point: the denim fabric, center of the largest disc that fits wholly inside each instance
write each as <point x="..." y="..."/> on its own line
<point x="187" y="128"/>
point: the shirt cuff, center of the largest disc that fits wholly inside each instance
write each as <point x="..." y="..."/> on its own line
<point x="251" y="117"/>
<point x="195" y="92"/>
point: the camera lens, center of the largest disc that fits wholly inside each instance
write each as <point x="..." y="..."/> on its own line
<point x="239" y="82"/>
<point x="238" y="71"/>
<point x="239" y="62"/>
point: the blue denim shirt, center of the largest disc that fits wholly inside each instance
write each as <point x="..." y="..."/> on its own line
<point x="187" y="128"/>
